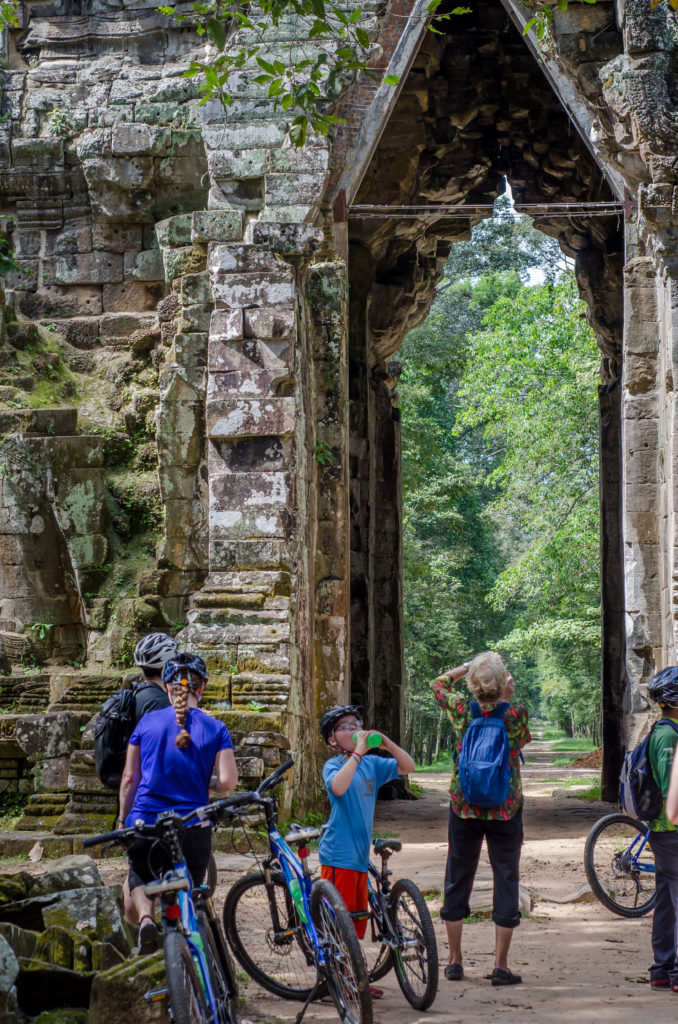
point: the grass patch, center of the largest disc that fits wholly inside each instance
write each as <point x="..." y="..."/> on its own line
<point x="591" y="793"/>
<point x="563" y="762"/>
<point x="443" y="764"/>
<point x="580" y="743"/>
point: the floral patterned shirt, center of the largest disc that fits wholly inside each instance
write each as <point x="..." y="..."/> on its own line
<point x="515" y="719"/>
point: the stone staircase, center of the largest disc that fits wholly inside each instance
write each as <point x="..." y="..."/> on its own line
<point x="72" y="691"/>
<point x="24" y="694"/>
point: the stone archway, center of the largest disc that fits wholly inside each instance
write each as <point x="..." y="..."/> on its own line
<point x="200" y="264"/>
<point x="475" y="106"/>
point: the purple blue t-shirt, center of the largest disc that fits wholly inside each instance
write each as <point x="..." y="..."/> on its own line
<point x="174" y="779"/>
<point x="346" y="841"/>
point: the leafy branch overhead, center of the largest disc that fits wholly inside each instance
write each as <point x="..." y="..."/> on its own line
<point x="316" y="49"/>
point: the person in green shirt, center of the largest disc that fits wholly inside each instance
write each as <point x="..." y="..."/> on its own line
<point x="663" y="689"/>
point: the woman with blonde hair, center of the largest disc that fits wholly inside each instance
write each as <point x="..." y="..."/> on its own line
<point x="491" y="686"/>
<point x="171" y="757"/>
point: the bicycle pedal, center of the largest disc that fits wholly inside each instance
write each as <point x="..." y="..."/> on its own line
<point x="156" y="994"/>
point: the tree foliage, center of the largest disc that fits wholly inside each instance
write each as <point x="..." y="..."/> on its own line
<point x="500" y="489"/>
<point x="315" y="52"/>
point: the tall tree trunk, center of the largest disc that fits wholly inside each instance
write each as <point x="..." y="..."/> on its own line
<point x="439" y="733"/>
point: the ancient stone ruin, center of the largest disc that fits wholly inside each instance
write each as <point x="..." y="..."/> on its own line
<point x="65" y="949"/>
<point x="198" y="406"/>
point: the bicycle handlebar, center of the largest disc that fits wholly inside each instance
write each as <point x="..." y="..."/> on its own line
<point x="210" y="812"/>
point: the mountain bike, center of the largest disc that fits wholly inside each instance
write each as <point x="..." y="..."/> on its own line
<point x="293" y="934"/>
<point x="201" y="985"/>
<point x="619" y="865"/>
<point x="400" y="931"/>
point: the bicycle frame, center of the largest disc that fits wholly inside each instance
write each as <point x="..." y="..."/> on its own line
<point x="173" y="894"/>
<point x="640" y="842"/>
<point x="293" y="868"/>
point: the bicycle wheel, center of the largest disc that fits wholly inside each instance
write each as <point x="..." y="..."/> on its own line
<point x="416" y="957"/>
<point x="188" y="1004"/>
<point x="620" y="876"/>
<point x="281" y="961"/>
<point x="378" y="955"/>
<point x="346" y="972"/>
<point x="220" y="970"/>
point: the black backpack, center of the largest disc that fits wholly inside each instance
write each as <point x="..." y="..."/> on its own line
<point x="112" y="732"/>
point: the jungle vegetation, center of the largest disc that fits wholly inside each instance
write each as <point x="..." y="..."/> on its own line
<point x="500" y="481"/>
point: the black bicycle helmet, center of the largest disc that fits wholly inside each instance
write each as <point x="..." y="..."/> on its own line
<point x="154" y="650"/>
<point x="331" y="717"/>
<point x="185" y="666"/>
<point x="663" y="688"/>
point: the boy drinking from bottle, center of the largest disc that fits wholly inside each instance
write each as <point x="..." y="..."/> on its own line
<point x="352" y="782"/>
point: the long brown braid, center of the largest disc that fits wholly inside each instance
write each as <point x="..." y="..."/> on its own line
<point x="180" y="701"/>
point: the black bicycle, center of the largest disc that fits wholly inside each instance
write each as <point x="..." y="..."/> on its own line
<point x="619" y="865"/>
<point x="201" y="984"/>
<point x="400" y="932"/>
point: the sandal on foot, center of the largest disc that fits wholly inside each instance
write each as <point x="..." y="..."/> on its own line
<point x="454" y="972"/>
<point x="376" y="992"/>
<point x="148" y="936"/>
<point x="500" y="977"/>
<point x="657" y="984"/>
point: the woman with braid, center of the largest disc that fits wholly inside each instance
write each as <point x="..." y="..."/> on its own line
<point x="171" y="758"/>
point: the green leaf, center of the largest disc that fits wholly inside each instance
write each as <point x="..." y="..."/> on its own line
<point x="216" y="33"/>
<point x="529" y="24"/>
<point x="363" y="38"/>
<point x="391" y="79"/>
<point x="275" y="87"/>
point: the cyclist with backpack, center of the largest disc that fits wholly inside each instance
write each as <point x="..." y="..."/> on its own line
<point x="663" y="689"/>
<point x="486" y="802"/>
<point x="171" y="758"/>
<point x="123" y="710"/>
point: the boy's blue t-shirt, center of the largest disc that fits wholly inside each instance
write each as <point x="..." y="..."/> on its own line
<point x="346" y="842"/>
<point x="174" y="779"/>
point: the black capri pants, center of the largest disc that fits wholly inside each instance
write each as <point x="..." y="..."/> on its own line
<point x="504" y="841"/>
<point x="149" y="859"/>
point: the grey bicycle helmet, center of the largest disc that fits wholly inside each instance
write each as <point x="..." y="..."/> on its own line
<point x="331" y="717"/>
<point x="663" y="688"/>
<point x="154" y="650"/>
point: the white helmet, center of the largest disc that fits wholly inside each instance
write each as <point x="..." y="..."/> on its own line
<point x="154" y="650"/>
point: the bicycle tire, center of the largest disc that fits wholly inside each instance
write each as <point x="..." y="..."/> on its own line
<point x="211" y="877"/>
<point x="415" y="961"/>
<point x="622" y="890"/>
<point x="345" y="968"/>
<point x="188" y="1004"/>
<point x="284" y="965"/>
<point x="222" y="977"/>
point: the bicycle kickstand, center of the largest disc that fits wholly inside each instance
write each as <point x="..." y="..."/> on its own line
<point x="309" y="999"/>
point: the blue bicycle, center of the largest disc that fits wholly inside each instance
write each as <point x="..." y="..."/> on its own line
<point x="201" y="984"/>
<point x="293" y="934"/>
<point x="619" y="865"/>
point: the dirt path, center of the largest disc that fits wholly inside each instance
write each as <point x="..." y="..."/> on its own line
<point x="580" y="963"/>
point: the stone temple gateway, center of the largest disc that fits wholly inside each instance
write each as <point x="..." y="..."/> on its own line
<point x="198" y="408"/>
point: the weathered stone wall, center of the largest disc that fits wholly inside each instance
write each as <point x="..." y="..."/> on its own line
<point x="193" y="288"/>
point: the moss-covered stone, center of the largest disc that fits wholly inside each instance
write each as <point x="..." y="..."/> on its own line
<point x="118" y="994"/>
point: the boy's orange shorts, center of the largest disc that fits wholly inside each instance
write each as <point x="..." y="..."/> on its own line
<point x="352" y="886"/>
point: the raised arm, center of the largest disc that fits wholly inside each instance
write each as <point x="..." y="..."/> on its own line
<point x="442" y="686"/>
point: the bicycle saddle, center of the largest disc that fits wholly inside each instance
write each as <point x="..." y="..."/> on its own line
<point x="299" y="834"/>
<point x="387" y="844"/>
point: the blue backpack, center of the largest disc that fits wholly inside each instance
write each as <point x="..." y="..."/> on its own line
<point x="484" y="769"/>
<point x="639" y="794"/>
